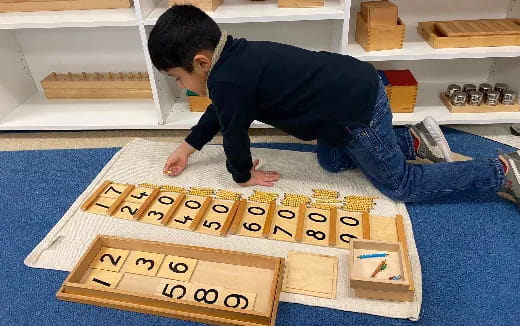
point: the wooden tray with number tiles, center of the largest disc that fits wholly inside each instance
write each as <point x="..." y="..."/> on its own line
<point x="185" y="282"/>
<point x="199" y="211"/>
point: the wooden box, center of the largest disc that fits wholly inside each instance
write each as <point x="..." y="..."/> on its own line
<point x="470" y="33"/>
<point x="404" y="90"/>
<point x="379" y="37"/>
<point x="371" y="285"/>
<point x="198" y="103"/>
<point x="97" y="86"/>
<point x="206" y="5"/>
<point x="42" y="5"/>
<point x="386" y="83"/>
<point x="192" y="283"/>
<point x="478" y="108"/>
<point x="300" y="3"/>
<point x="379" y="12"/>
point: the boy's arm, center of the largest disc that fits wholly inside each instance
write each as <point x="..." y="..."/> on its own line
<point x="204" y="131"/>
<point x="235" y="109"/>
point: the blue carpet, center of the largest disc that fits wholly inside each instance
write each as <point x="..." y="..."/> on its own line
<point x="467" y="244"/>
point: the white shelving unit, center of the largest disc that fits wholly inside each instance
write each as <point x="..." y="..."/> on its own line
<point x="36" y="43"/>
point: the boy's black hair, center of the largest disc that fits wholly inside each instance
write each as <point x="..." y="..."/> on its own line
<point x="180" y="33"/>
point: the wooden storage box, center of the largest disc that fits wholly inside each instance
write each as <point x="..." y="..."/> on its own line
<point x="206" y="5"/>
<point x="42" y="5"/>
<point x="388" y="87"/>
<point x="191" y="283"/>
<point x="198" y="103"/>
<point x="404" y="90"/>
<point x="470" y="33"/>
<point x="380" y="286"/>
<point x="379" y="37"/>
<point x="300" y="3"/>
<point x="97" y="86"/>
<point x="379" y="12"/>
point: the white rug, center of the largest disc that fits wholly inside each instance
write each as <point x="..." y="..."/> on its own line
<point x="142" y="161"/>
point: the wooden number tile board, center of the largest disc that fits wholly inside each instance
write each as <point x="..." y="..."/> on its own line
<point x="185" y="282"/>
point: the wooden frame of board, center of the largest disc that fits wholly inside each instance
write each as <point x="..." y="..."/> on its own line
<point x="73" y="290"/>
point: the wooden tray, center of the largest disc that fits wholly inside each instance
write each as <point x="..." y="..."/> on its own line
<point x="478" y="109"/>
<point x="448" y="34"/>
<point x="192" y="283"/>
<point x="42" y="5"/>
<point x="379" y="286"/>
<point x="97" y="85"/>
<point x="300" y="3"/>
<point x="478" y="27"/>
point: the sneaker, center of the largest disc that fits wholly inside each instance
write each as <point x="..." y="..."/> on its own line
<point x="511" y="188"/>
<point x="432" y="143"/>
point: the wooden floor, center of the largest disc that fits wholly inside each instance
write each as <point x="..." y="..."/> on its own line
<point x="118" y="138"/>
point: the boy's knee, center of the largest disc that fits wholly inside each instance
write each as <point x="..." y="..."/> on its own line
<point x="328" y="163"/>
<point x="395" y="194"/>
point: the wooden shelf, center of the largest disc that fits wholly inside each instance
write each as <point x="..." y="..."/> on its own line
<point x="245" y="11"/>
<point x="69" y="18"/>
<point x="415" y="48"/>
<point x="39" y="113"/>
<point x="181" y="117"/>
<point x="429" y="103"/>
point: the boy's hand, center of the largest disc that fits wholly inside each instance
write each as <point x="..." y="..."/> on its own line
<point x="261" y="178"/>
<point x="178" y="159"/>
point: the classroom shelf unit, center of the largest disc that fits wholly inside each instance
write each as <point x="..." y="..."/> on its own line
<point x="33" y="44"/>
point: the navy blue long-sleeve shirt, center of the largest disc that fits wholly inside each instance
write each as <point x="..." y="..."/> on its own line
<point x="307" y="94"/>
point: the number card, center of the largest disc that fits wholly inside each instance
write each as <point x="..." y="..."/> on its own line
<point x="161" y="208"/>
<point x="110" y="259"/>
<point x="349" y="225"/>
<point x="316" y="227"/>
<point x="238" y="299"/>
<point x="99" y="277"/>
<point x="205" y="293"/>
<point x="114" y="190"/>
<point x="285" y="222"/>
<point x="218" y="217"/>
<point x="177" y="268"/>
<point x="143" y="263"/>
<point x="140" y="194"/>
<point x="253" y="219"/>
<point x="101" y="205"/>
<point x="189" y="213"/>
<point x="173" y="289"/>
<point x="127" y="210"/>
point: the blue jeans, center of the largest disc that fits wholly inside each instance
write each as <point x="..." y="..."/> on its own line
<point x="381" y="151"/>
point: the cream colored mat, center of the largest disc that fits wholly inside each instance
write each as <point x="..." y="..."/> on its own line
<point x="142" y="161"/>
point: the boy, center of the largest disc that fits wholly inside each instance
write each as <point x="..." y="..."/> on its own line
<point x="333" y="98"/>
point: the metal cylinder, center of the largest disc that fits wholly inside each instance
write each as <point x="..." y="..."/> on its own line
<point x="501" y="87"/>
<point x="452" y="88"/>
<point x="508" y="97"/>
<point x="468" y="88"/>
<point x="459" y="98"/>
<point x="476" y="98"/>
<point x="485" y="87"/>
<point x="492" y="98"/>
